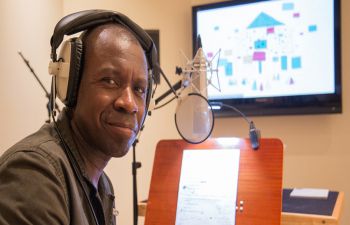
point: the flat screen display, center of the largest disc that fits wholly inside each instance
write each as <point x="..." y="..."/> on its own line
<point x="276" y="57"/>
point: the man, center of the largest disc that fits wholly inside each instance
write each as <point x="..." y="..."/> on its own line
<point x="38" y="181"/>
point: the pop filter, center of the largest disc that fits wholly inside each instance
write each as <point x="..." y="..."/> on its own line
<point x="194" y="118"/>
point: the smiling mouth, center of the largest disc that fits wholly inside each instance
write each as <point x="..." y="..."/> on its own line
<point x="121" y="129"/>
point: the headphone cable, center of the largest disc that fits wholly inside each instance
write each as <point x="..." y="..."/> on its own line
<point x="73" y="163"/>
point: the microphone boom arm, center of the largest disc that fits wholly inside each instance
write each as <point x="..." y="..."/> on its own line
<point x="173" y="89"/>
<point x="47" y="95"/>
<point x="32" y="71"/>
<point x="166" y="79"/>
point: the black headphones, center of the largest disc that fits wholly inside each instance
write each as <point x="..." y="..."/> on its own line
<point x="67" y="68"/>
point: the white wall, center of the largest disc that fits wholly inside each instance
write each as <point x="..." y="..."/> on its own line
<point x="25" y="26"/>
<point x="316" y="155"/>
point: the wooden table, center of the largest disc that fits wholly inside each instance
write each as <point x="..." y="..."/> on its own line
<point x="294" y="218"/>
<point x="314" y="219"/>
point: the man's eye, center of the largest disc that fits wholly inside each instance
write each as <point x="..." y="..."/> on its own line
<point x="109" y="81"/>
<point x="140" y="90"/>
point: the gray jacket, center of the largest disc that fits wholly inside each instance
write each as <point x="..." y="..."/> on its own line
<point x="38" y="185"/>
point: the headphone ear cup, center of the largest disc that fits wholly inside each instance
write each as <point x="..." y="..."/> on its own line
<point x="74" y="71"/>
<point x="68" y="71"/>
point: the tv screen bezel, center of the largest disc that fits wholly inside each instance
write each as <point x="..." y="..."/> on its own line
<point x="284" y="105"/>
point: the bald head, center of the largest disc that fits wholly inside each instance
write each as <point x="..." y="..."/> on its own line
<point x="113" y="29"/>
<point x="103" y="33"/>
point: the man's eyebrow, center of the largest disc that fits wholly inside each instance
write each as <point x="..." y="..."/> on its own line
<point x="141" y="80"/>
<point x="110" y="70"/>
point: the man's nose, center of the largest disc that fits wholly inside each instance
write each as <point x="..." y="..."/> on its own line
<point x="126" y="101"/>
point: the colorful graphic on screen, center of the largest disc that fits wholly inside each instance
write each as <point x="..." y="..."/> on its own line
<point x="271" y="48"/>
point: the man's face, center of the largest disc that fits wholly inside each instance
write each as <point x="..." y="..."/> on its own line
<point x="112" y="95"/>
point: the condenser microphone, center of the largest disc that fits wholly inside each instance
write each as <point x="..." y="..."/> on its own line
<point x="199" y="76"/>
<point x="194" y="118"/>
<point x="190" y="77"/>
<point x="193" y="76"/>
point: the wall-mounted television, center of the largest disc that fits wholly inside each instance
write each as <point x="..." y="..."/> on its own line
<point x="277" y="57"/>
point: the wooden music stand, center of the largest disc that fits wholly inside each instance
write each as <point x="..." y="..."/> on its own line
<point x="259" y="180"/>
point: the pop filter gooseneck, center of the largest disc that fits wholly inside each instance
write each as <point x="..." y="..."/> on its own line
<point x="254" y="133"/>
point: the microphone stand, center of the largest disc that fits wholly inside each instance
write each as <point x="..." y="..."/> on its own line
<point x="135" y="166"/>
<point x="47" y="95"/>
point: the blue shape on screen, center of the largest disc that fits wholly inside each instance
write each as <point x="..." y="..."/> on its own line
<point x="228" y="69"/>
<point x="264" y="20"/>
<point x="275" y="59"/>
<point x="232" y="82"/>
<point x="254" y="86"/>
<point x="260" y="67"/>
<point x="222" y="62"/>
<point x="284" y="62"/>
<point x="288" y="6"/>
<point x="312" y="28"/>
<point x="296" y="62"/>
<point x="260" y="44"/>
<point x="276" y="77"/>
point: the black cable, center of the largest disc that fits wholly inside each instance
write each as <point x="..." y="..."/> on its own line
<point x="74" y="164"/>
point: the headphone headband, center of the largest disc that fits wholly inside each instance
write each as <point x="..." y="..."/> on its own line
<point x="87" y="19"/>
<point x="67" y="69"/>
